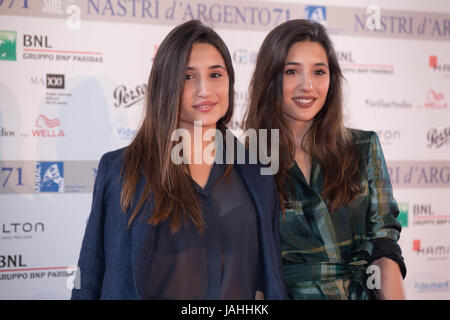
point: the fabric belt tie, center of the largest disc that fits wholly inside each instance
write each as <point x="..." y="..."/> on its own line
<point x="355" y="269"/>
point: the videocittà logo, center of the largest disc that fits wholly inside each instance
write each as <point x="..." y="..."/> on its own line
<point x="49" y="176"/>
<point x="8" y="40"/>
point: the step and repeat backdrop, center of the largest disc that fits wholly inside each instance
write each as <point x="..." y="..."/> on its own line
<point x="72" y="82"/>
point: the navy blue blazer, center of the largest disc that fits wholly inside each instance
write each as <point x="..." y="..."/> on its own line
<point x="114" y="261"/>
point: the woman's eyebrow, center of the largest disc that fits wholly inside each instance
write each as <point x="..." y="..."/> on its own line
<point x="211" y="67"/>
<point x="318" y="64"/>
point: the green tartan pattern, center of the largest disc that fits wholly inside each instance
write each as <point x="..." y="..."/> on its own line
<point x="325" y="255"/>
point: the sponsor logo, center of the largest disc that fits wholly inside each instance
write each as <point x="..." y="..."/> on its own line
<point x="244" y="56"/>
<point x="41" y="48"/>
<point x="40" y="273"/>
<point x="435" y="100"/>
<point x="11" y="261"/>
<point x="55" y="81"/>
<point x="424" y="215"/>
<point x="125" y="98"/>
<point x="123" y="129"/>
<point x="50" y="82"/>
<point x="49" y="176"/>
<point x="349" y="64"/>
<point x="36" y="41"/>
<point x="387" y="104"/>
<point x="8" y="41"/>
<point x="344" y="56"/>
<point x="403" y="213"/>
<point x="443" y="68"/>
<point x="316" y="13"/>
<point x="388" y="137"/>
<point x="434" y="252"/>
<point x="6" y="133"/>
<point x="21" y="230"/>
<point x="47" y="128"/>
<point x="42" y="121"/>
<point x="433" y="286"/>
<point x="437" y="139"/>
<point x="126" y="133"/>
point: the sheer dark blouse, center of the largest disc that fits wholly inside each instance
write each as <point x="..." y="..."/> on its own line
<point x="223" y="263"/>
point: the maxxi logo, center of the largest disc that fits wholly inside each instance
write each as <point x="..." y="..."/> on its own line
<point x="55" y="81"/>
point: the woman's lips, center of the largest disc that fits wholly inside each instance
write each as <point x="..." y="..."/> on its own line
<point x="304" y="102"/>
<point x="205" y="106"/>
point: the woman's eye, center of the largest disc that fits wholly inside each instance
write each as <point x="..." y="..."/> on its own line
<point x="216" y="75"/>
<point x="189" y="76"/>
<point x="290" y="72"/>
<point x="320" y="72"/>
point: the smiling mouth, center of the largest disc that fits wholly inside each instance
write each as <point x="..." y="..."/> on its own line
<point x="205" y="107"/>
<point x="304" y="102"/>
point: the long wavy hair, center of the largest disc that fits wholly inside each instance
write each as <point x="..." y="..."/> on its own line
<point x="148" y="155"/>
<point x="327" y="140"/>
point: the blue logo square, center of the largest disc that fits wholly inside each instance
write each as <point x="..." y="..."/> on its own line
<point x="49" y="176"/>
<point x="316" y="13"/>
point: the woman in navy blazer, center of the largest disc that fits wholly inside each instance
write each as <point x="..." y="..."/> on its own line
<point x="160" y="229"/>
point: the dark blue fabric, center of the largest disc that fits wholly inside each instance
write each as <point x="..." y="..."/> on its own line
<point x="114" y="261"/>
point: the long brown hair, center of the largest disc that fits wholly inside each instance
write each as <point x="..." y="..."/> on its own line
<point x="327" y="139"/>
<point x="148" y="155"/>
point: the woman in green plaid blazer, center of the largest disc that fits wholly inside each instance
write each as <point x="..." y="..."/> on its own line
<point x="338" y="223"/>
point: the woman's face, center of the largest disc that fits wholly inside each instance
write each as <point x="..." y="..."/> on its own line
<point x="206" y="87"/>
<point x="306" y="79"/>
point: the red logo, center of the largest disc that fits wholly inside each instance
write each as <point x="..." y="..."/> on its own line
<point x="48" y="123"/>
<point x="433" y="61"/>
<point x="46" y="127"/>
<point x="435" y="100"/>
<point x="416" y="245"/>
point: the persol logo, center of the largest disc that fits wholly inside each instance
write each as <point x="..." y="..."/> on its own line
<point x="437" y="138"/>
<point x="125" y="98"/>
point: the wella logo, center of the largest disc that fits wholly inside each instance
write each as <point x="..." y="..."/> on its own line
<point x="47" y="128"/>
<point x="435" y="100"/>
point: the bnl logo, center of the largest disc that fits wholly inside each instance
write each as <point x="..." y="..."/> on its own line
<point x="8" y="40"/>
<point x="403" y="213"/>
<point x="316" y="13"/>
<point x="49" y="176"/>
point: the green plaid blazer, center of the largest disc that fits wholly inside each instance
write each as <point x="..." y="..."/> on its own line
<point x="325" y="256"/>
